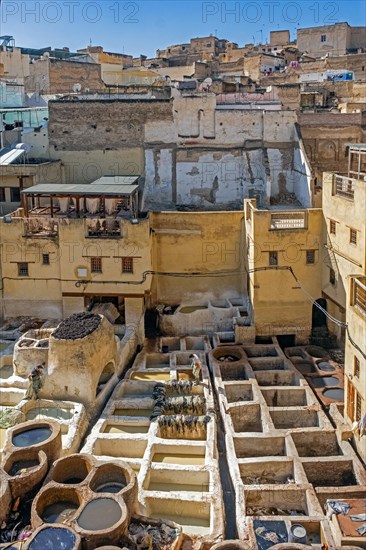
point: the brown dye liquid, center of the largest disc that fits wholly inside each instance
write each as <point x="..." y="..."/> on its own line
<point x="125" y="429"/>
<point x="110" y="487"/>
<point x="99" y="514"/>
<point x="133" y="412"/>
<point x="155" y="486"/>
<point x="185" y="376"/>
<point x="59" y="512"/>
<point x="191" y="309"/>
<point x="178" y="458"/>
<point x="150" y="376"/>
<point x="22" y="466"/>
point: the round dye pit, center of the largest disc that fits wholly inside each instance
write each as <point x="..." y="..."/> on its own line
<point x="325" y="381"/>
<point x="22" y="466"/>
<point x="334" y="393"/>
<point x="325" y="366"/>
<point x="59" y="512"/>
<point x="31" y="437"/>
<point x="53" y="537"/>
<point x="110" y="487"/>
<point x="100" y="514"/>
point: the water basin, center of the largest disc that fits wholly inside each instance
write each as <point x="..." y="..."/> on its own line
<point x="110" y="487"/>
<point x="125" y="429"/>
<point x="325" y="381"/>
<point x="230" y="357"/>
<point x="325" y="366"/>
<point x="57" y="413"/>
<point x="59" y="512"/>
<point x="178" y="458"/>
<point x="99" y="514"/>
<point x="170" y="486"/>
<point x="53" y="537"/>
<point x="133" y="412"/>
<point x="31" y="437"/>
<point x="21" y="466"/>
<point x="334" y="393"/>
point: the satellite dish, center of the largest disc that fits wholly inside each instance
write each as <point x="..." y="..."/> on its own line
<point x="76" y="87"/>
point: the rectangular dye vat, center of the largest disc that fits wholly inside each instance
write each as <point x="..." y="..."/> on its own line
<point x="182" y="359"/>
<point x="186" y="374"/>
<point x="261" y="351"/>
<point x="231" y="372"/>
<point x="120" y="428"/>
<point x="157" y="361"/>
<point x="6" y="371"/>
<point x="264" y="472"/>
<point x="248" y="447"/>
<point x="10" y="398"/>
<point x="134" y="388"/>
<point x="281" y="502"/>
<point x="179" y="454"/>
<point x="330" y="473"/>
<point x="280" y="397"/>
<point x="238" y="392"/>
<point x="173" y="480"/>
<point x="315" y="443"/>
<point x="246" y="418"/>
<point x="54" y="413"/>
<point x="193" y="516"/>
<point x="195" y="343"/>
<point x="132" y="412"/>
<point x="198" y="433"/>
<point x="295" y="418"/>
<point x="156" y="376"/>
<point x="275" y="363"/>
<point x="276" y="378"/>
<point x="170" y="343"/>
<point x="120" y="448"/>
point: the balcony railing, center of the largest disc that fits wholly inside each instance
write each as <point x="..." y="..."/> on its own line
<point x="344" y="187"/>
<point x="359" y="294"/>
<point x="288" y="220"/>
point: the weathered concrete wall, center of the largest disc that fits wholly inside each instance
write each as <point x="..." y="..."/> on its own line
<point x="209" y="244"/>
<point x="59" y="76"/>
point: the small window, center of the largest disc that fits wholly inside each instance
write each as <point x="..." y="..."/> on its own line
<point x="356" y="367"/>
<point x="96" y="265"/>
<point x="2" y="194"/>
<point x="208" y="45"/>
<point x="323" y="38"/>
<point x="332" y="227"/>
<point x="353" y="236"/>
<point x="332" y="276"/>
<point x="127" y="265"/>
<point x="273" y="258"/>
<point x="14" y="194"/>
<point x="310" y="256"/>
<point x="23" y="269"/>
<point x="46" y="259"/>
<point x="358" y="407"/>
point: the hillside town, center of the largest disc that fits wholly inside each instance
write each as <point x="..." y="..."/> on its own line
<point x="183" y="294"/>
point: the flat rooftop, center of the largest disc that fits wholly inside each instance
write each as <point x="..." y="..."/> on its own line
<point x="95" y="189"/>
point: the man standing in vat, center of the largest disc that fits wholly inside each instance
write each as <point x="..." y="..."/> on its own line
<point x="35" y="382"/>
<point x="197" y="367"/>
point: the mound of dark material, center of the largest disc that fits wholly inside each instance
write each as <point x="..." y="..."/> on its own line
<point x="76" y="326"/>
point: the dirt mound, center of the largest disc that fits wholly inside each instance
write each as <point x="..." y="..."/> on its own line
<point x="76" y="326"/>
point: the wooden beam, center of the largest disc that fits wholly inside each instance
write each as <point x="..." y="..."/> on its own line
<point x="51" y="203"/>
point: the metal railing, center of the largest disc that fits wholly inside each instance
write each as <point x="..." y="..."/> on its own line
<point x="289" y="220"/>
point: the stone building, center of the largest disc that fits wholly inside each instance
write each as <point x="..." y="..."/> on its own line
<point x="337" y="39"/>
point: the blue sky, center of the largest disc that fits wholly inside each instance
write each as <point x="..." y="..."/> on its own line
<point x="140" y="27"/>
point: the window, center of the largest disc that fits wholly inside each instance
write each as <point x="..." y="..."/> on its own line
<point x="356" y="367"/>
<point x="23" y="269"/>
<point x="358" y="407"/>
<point x="353" y="236"/>
<point x="332" y="277"/>
<point x="332" y="227"/>
<point x="96" y="265"/>
<point x="273" y="258"/>
<point x="208" y="45"/>
<point x="310" y="256"/>
<point x="14" y="194"/>
<point x="323" y="38"/>
<point x="46" y="259"/>
<point x="127" y="265"/>
<point x="2" y="194"/>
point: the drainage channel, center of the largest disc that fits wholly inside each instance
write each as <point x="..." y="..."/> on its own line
<point x="226" y="482"/>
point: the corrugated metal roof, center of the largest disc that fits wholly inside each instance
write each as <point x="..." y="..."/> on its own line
<point x="116" y="180"/>
<point x="7" y="155"/>
<point x="80" y="189"/>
